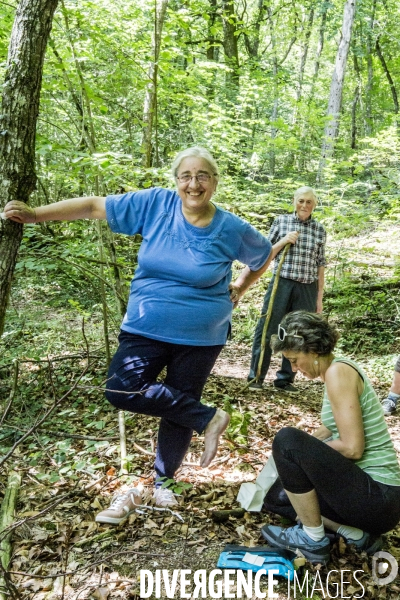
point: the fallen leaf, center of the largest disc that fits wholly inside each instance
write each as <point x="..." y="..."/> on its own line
<point x="342" y="546"/>
<point x="101" y="593"/>
<point x="96" y="504"/>
<point x="239" y="530"/>
<point x="150" y="524"/>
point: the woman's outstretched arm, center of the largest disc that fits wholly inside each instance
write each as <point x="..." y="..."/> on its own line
<point x="88" y="207"/>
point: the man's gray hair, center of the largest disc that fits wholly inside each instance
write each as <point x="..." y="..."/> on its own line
<point x="305" y="189"/>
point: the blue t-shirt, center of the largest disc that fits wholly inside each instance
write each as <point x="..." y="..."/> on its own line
<point x="179" y="293"/>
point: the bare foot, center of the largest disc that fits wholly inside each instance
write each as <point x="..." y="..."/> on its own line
<point x="212" y="433"/>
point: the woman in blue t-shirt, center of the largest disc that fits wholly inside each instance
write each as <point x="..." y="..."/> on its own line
<point x="179" y="308"/>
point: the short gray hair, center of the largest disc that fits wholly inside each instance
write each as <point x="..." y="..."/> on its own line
<point x="305" y="189"/>
<point x="197" y="152"/>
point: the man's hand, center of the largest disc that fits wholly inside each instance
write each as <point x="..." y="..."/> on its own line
<point x="290" y="238"/>
<point x="19" y="212"/>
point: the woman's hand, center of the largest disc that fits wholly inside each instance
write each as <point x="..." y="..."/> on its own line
<point x="235" y="293"/>
<point x="322" y="433"/>
<point x="19" y="212"/>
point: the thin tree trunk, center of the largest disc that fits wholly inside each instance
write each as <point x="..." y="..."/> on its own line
<point x="150" y="99"/>
<point x="6" y="518"/>
<point x="304" y="54"/>
<point x="368" y="88"/>
<point x="252" y="42"/>
<point x="388" y="76"/>
<point x="84" y="110"/>
<point x="231" y="46"/>
<point x="356" y="99"/>
<point x="275" y="106"/>
<point x="303" y="155"/>
<point x="212" y="48"/>
<point x="19" y="112"/>
<point x="320" y="47"/>
<point x="335" y="96"/>
<point x="299" y="91"/>
<point x="86" y="135"/>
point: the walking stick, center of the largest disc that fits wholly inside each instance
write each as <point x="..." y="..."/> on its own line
<point x="269" y="311"/>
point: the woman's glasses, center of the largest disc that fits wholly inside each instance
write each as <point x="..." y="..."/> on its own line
<point x="201" y="178"/>
<point x="282" y="334"/>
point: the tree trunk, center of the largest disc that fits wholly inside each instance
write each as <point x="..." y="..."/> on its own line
<point x="335" y="96"/>
<point x="274" y="113"/>
<point x="356" y="99"/>
<point x="150" y="99"/>
<point x="212" y="51"/>
<point x="231" y="46"/>
<point x="303" y="156"/>
<point x="388" y="76"/>
<point x="6" y="518"/>
<point x="252" y="42"/>
<point x="368" y="88"/>
<point x="19" y="112"/>
<point x="320" y="47"/>
<point x="304" y="54"/>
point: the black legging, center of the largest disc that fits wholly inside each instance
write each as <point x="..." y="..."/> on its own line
<point x="346" y="493"/>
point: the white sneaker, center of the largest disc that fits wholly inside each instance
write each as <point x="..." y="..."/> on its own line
<point x="165" y="497"/>
<point x="122" y="505"/>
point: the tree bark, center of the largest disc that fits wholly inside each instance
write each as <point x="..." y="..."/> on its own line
<point x="19" y="112"/>
<point x="368" y="88"/>
<point x="252" y="42"/>
<point x="335" y="96"/>
<point x="304" y="54"/>
<point x="320" y="47"/>
<point x="150" y="99"/>
<point x="212" y="51"/>
<point x="356" y="99"/>
<point x="388" y="76"/>
<point x="6" y="518"/>
<point x="231" y="46"/>
<point x="274" y="112"/>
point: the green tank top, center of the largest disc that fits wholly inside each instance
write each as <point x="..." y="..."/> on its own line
<point x="379" y="459"/>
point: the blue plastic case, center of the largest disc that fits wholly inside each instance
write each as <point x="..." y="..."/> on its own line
<point x="280" y="560"/>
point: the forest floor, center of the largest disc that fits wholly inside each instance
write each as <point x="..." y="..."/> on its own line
<point x="70" y="463"/>
<point x="61" y="552"/>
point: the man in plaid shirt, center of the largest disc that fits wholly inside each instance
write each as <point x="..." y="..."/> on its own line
<point x="300" y="287"/>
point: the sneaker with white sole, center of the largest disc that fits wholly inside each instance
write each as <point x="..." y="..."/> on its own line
<point x="122" y="505"/>
<point x="367" y="543"/>
<point x="294" y="538"/>
<point x="165" y="497"/>
<point x="389" y="407"/>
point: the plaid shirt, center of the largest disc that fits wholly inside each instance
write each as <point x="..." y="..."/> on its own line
<point x="307" y="254"/>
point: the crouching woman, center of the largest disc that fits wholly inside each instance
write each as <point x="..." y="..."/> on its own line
<point x="346" y="476"/>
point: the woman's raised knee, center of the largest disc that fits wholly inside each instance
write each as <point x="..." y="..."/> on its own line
<point x="286" y="437"/>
